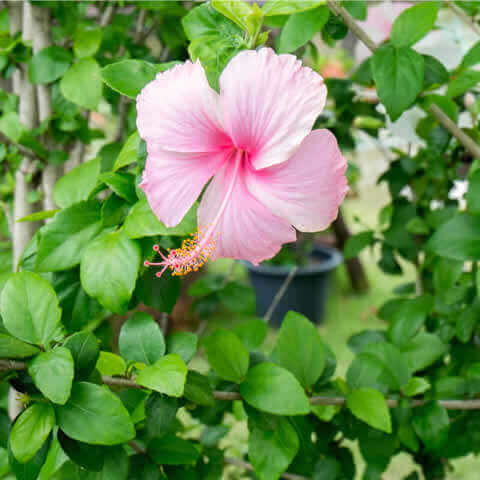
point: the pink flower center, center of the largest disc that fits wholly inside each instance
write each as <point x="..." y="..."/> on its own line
<point x="196" y="251"/>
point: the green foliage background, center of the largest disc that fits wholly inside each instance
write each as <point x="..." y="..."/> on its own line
<point x="107" y="404"/>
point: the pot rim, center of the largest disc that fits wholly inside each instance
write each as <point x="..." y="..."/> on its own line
<point x="334" y="259"/>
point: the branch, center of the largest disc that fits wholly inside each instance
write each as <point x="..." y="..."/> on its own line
<point x="466" y="19"/>
<point x="15" y="365"/>
<point x="281" y="292"/>
<point x="25" y="151"/>
<point x="108" y="14"/>
<point x="438" y="114"/>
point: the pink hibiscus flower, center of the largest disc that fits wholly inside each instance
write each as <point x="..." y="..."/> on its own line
<point x="270" y="172"/>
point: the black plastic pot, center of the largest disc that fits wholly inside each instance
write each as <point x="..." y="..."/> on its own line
<point x="306" y="294"/>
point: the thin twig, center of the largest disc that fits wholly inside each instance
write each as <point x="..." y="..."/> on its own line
<point x="474" y="404"/>
<point x="466" y="19"/>
<point x="436" y="112"/>
<point x="279" y="295"/>
<point x="25" y="151"/>
<point x="459" y="134"/>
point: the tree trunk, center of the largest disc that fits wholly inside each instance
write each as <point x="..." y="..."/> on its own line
<point x="23" y="232"/>
<point x="21" y="19"/>
<point x="41" y="40"/>
<point x="355" y="270"/>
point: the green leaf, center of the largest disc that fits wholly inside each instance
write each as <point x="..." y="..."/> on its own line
<point x="251" y="332"/>
<point x="398" y="74"/>
<point x="90" y="457"/>
<point x="244" y="15"/>
<point x="128" y="77"/>
<point x="172" y="450"/>
<point x="95" y="415"/>
<point x="63" y="241"/>
<point x="356" y="243"/>
<point x="431" y="424"/>
<point x="31" y="469"/>
<point x="300" y="349"/>
<point x="159" y="293"/>
<point x="227" y="355"/>
<point x="238" y="298"/>
<point x="167" y="375"/>
<point x="473" y="193"/>
<point x="122" y="183"/>
<point x="451" y="387"/>
<point x="128" y="153"/>
<point x="109" y="363"/>
<point x="435" y="72"/>
<point x="417" y="226"/>
<point x="363" y="76"/>
<point x="160" y="412"/>
<point x="31" y="430"/>
<point x="366" y="371"/>
<point x="409" y="318"/>
<point x="53" y="462"/>
<point x="416" y="386"/>
<point x="446" y="274"/>
<point x="85" y="351"/>
<point x="52" y="373"/>
<point x="82" y="84"/>
<point x="391" y="360"/>
<point x="11" y="347"/>
<point x="369" y="406"/>
<point x="301" y="27"/>
<point x="142" y="222"/>
<point x="141" y="339"/>
<point x="472" y="57"/>
<point x="287" y="7"/>
<point x="214" y="39"/>
<point x="48" y="65"/>
<point x="11" y="126"/>
<point x="423" y="350"/>
<point x="86" y="40"/>
<point x="37" y="216"/>
<point x="198" y="389"/>
<point x="183" y="344"/>
<point x="109" y="270"/>
<point x="78" y="184"/>
<point x="463" y="82"/>
<point x="466" y="324"/>
<point x="273" y="389"/>
<point x="413" y="24"/>
<point x="79" y="311"/>
<point x="29" y="308"/>
<point x="271" y="451"/>
<point x="356" y="8"/>
<point x="457" y="238"/>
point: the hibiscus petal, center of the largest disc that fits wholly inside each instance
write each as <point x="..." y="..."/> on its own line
<point x="247" y="229"/>
<point x="269" y="104"/>
<point x="307" y="189"/>
<point x="172" y="181"/>
<point x="179" y="110"/>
